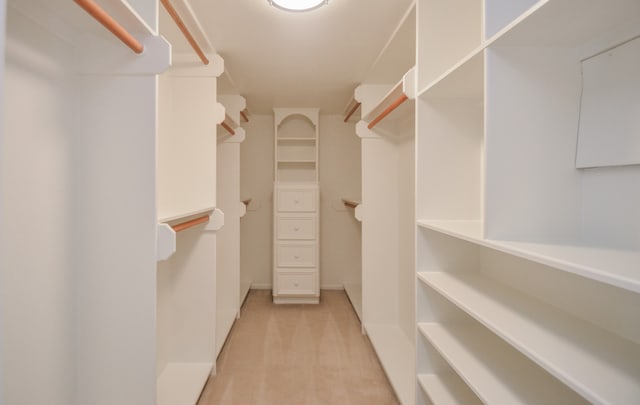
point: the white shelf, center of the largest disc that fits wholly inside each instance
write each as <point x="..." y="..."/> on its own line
<point x="464" y="80"/>
<point x="182" y="383"/>
<point x="297" y="161"/>
<point x="354" y="292"/>
<point x="245" y="287"/>
<point x="310" y="140"/>
<point x="396" y="354"/>
<point x="545" y="24"/>
<point x="492" y="369"/>
<point x="175" y="217"/>
<point x="610" y="266"/>
<point x="403" y="88"/>
<point x="224" y="322"/>
<point x="599" y="365"/>
<point x="447" y="389"/>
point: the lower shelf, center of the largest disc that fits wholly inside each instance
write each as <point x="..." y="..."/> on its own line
<point x="396" y="353"/>
<point x="182" y="383"/>
<point x="354" y="292"/>
<point x="224" y="322"/>
<point x="494" y="370"/>
<point x="447" y="389"/>
<point x="245" y="286"/>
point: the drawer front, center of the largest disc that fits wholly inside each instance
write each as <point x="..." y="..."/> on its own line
<point x="296" y="283"/>
<point x="296" y="227"/>
<point x="296" y="200"/>
<point x="296" y="255"/>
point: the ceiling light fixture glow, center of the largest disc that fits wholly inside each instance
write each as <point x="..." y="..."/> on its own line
<point x="297" y="5"/>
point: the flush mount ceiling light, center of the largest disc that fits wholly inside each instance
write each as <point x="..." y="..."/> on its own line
<point x="297" y="5"/>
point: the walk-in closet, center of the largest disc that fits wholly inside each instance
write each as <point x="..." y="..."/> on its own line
<point x="319" y="201"/>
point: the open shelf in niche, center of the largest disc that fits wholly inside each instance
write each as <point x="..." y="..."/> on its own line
<point x="615" y="267"/>
<point x="567" y="347"/>
<point x="447" y="388"/>
<point x="496" y="372"/>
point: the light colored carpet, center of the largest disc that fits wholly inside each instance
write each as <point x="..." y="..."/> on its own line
<point x="298" y="354"/>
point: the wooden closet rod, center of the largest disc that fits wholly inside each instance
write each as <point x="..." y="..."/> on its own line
<point x="388" y="110"/>
<point x="350" y="204"/>
<point x="244" y="116"/>
<point x="185" y="31"/>
<point x="112" y="25"/>
<point x="189" y="224"/>
<point x="228" y="128"/>
<point x="353" y="110"/>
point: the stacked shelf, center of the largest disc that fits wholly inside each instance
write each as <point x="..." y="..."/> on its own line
<point x="296" y="145"/>
<point x="507" y="225"/>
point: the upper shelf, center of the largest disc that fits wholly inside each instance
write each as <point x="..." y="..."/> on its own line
<point x="611" y="266"/>
<point x="234" y="105"/>
<point x="391" y="105"/>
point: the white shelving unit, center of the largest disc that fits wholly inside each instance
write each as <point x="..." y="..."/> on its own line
<point x="382" y="292"/>
<point x="78" y="230"/>
<point x="519" y="253"/>
<point x="228" y="285"/>
<point x="187" y="309"/>
<point x="296" y="246"/>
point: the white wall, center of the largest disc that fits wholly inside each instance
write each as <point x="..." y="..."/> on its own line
<point x="340" y="174"/>
<point x="339" y="177"/>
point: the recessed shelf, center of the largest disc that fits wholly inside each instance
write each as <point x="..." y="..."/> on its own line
<point x="611" y="266"/>
<point x="447" y="388"/>
<point x="284" y="140"/>
<point x="601" y="366"/>
<point x="492" y="369"/>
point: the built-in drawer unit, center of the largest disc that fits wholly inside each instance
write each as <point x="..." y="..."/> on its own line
<point x="296" y="283"/>
<point x="293" y="199"/>
<point x="296" y="226"/>
<point x="292" y="254"/>
<point x="295" y="243"/>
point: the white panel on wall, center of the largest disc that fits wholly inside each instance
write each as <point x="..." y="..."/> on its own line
<point x="609" y="133"/>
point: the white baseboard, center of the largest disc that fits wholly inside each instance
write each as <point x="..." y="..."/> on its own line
<point x="332" y="287"/>
<point x="258" y="286"/>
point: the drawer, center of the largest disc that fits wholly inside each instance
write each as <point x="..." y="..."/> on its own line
<point x="296" y="283"/>
<point x="296" y="254"/>
<point x="296" y="227"/>
<point x="296" y="200"/>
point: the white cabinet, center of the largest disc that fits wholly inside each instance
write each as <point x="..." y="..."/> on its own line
<point x="527" y="267"/>
<point x="296" y="248"/>
<point x="296" y="205"/>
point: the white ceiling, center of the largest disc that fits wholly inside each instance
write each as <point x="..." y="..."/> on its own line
<point x="276" y="58"/>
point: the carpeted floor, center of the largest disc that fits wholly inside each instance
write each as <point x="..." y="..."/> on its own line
<point x="299" y="355"/>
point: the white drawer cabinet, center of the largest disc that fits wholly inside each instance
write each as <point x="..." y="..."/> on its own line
<point x="295" y="256"/>
<point x="296" y="226"/>
<point x="298" y="284"/>
<point x="294" y="199"/>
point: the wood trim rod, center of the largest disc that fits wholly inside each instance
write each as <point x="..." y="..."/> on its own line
<point x="388" y="111"/>
<point x="353" y="110"/>
<point x="112" y="25"/>
<point x="190" y="224"/>
<point x="185" y="31"/>
<point x="244" y="116"/>
<point x="350" y="204"/>
<point x="228" y="128"/>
